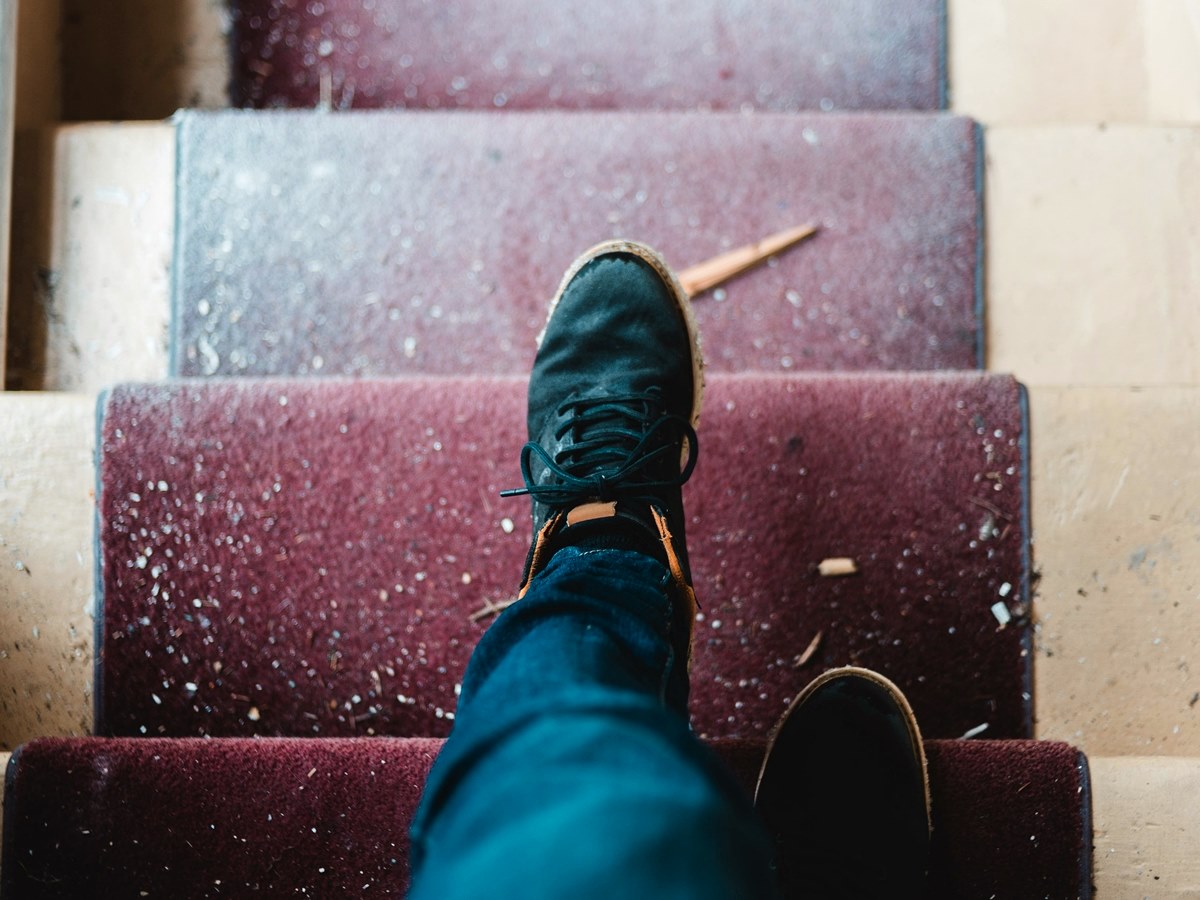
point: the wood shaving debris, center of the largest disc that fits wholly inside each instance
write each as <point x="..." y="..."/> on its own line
<point x="809" y="652"/>
<point x="491" y="609"/>
<point x="972" y="732"/>
<point x="990" y="507"/>
<point x="837" y="566"/>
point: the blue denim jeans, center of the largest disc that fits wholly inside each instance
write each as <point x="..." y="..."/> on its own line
<point x="571" y="771"/>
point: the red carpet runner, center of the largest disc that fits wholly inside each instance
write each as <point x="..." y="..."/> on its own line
<point x="304" y="558"/>
<point x="626" y="54"/>
<point x="328" y="818"/>
<point x="413" y="243"/>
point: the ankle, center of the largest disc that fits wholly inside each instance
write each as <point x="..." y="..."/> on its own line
<point x="612" y="533"/>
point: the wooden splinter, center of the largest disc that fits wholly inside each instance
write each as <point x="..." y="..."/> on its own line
<point x="837" y="567"/>
<point x="708" y="274"/>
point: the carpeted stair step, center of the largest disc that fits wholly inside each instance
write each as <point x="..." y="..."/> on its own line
<point x="682" y="54"/>
<point x="394" y="243"/>
<point x="304" y="558"/>
<point x="329" y="817"/>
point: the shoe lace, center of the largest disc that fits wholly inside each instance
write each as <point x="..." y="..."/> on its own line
<point x="616" y="440"/>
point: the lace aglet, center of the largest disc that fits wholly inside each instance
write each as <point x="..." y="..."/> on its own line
<point x="514" y="492"/>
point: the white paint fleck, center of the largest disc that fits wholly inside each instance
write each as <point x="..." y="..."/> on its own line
<point x="211" y="361"/>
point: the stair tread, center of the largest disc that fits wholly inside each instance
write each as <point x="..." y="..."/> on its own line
<point x="823" y="54"/>
<point x="304" y="557"/>
<point x="1011" y="818"/>
<point x="415" y="243"/>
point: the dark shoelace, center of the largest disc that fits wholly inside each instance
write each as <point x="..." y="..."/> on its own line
<point x="616" y="442"/>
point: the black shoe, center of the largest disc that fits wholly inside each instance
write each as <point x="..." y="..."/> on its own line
<point x="614" y="397"/>
<point x="844" y="791"/>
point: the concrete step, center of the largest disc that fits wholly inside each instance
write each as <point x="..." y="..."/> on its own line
<point x="1146" y="827"/>
<point x="1116" y="500"/>
<point x="1011" y="818"/>
<point x="536" y="54"/>
<point x="1010" y="61"/>
<point x="305" y="558"/>
<point x="93" y="223"/>
<point x="1144" y="837"/>
<point x="1085" y="284"/>
<point x="1094" y="253"/>
<point x="1111" y="669"/>
<point x="1025" y="62"/>
<point x="47" y="499"/>
<point x="392" y="243"/>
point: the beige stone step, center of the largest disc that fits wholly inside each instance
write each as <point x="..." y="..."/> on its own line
<point x="46" y="624"/>
<point x="93" y="221"/>
<point x="1146" y="825"/>
<point x="1144" y="836"/>
<point x="1011" y="61"/>
<point x="1093" y="254"/>
<point x="1116" y="525"/>
<point x="1116" y="513"/>
<point x="1028" y="61"/>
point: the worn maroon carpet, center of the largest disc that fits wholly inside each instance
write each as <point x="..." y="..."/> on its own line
<point x="326" y="818"/>
<point x="623" y="54"/>
<point x="395" y="243"/>
<point x="303" y="558"/>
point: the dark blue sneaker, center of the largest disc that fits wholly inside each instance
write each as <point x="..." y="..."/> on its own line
<point x="614" y="398"/>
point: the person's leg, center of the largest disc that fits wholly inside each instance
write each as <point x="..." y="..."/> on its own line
<point x="571" y="771"/>
<point x="568" y="774"/>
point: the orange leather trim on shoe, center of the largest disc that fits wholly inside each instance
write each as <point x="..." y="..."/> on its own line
<point x="539" y="556"/>
<point x="588" y="512"/>
<point x="676" y="567"/>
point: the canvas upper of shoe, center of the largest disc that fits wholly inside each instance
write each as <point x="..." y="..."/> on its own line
<point x="613" y="398"/>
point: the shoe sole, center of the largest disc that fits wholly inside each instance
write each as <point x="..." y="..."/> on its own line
<point x="682" y="302"/>
<point x="910" y="722"/>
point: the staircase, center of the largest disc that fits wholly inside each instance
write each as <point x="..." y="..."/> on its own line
<point x="287" y="556"/>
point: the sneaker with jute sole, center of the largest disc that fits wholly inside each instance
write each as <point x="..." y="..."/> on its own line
<point x="844" y="791"/>
<point x="614" y="398"/>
